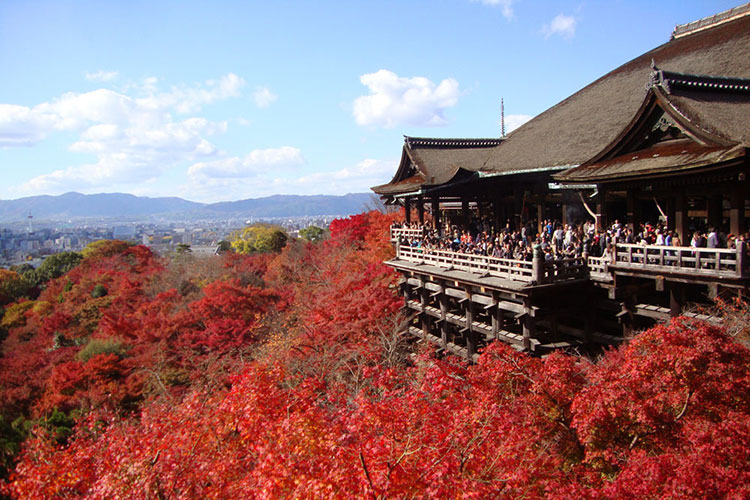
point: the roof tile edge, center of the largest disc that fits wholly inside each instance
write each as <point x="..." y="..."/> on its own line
<point x="711" y="21"/>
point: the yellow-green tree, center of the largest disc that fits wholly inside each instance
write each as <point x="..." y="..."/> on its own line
<point x="259" y="238"/>
<point x="312" y="234"/>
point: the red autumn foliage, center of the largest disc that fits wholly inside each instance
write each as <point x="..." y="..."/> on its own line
<point x="273" y="381"/>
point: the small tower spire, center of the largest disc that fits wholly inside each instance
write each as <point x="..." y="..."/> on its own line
<point x="502" y="117"/>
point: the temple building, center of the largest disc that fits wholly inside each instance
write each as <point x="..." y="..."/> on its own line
<point x="661" y="140"/>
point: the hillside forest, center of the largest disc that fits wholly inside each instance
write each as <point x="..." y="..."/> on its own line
<point x="282" y="374"/>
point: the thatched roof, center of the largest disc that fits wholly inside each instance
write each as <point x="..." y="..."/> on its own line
<point x="578" y="128"/>
<point x="432" y="162"/>
<point x="707" y="115"/>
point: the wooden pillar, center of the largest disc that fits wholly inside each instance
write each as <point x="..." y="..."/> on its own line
<point x="625" y="317"/>
<point x="737" y="211"/>
<point x="518" y="205"/>
<point x="670" y="213"/>
<point x="564" y="208"/>
<point x="498" y="222"/>
<point x="633" y="206"/>
<point x="676" y="299"/>
<point x="471" y="340"/>
<point x="540" y="215"/>
<point x="681" y="218"/>
<point x="714" y="206"/>
<point x="443" y="316"/>
<point x="420" y="210"/>
<point x="407" y="209"/>
<point x="465" y="212"/>
<point x="601" y="209"/>
<point x="529" y="325"/>
<point x="423" y="302"/>
<point x="436" y="214"/>
<point x="589" y="323"/>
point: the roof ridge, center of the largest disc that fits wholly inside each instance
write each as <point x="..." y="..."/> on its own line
<point x="670" y="80"/>
<point x="455" y="142"/>
<point x="711" y="21"/>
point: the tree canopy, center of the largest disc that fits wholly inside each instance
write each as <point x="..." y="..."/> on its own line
<point x="259" y="238"/>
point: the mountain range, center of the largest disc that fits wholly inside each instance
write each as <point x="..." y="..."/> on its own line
<point x="116" y="205"/>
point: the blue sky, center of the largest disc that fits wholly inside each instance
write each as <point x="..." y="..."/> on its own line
<point x="220" y="100"/>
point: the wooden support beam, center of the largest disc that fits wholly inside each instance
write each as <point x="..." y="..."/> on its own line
<point x="529" y="326"/>
<point x="443" y="313"/>
<point x="601" y="209"/>
<point x="681" y="218"/>
<point x="676" y="299"/>
<point x="715" y="208"/>
<point x="625" y="317"/>
<point x="633" y="208"/>
<point x="737" y="211"/>
<point x="436" y="214"/>
<point x="423" y="303"/>
<point x="471" y="340"/>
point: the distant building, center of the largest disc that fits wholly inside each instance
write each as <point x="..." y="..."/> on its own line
<point x="126" y="233"/>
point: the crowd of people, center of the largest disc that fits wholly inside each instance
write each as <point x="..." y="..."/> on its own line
<point x="556" y="240"/>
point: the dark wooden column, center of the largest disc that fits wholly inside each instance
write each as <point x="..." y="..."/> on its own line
<point x="425" y="321"/>
<point x="518" y="206"/>
<point x="681" y="218"/>
<point x="420" y="210"/>
<point x="714" y="207"/>
<point x="465" y="212"/>
<point x="634" y="212"/>
<point x="443" y="316"/>
<point x="670" y="213"/>
<point x="498" y="215"/>
<point x="601" y="208"/>
<point x="540" y="214"/>
<point x="737" y="211"/>
<point x="676" y="299"/>
<point x="529" y="325"/>
<point x="471" y="338"/>
<point x="436" y="214"/>
<point x="407" y="209"/>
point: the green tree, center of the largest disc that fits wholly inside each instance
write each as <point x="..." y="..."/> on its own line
<point x="312" y="234"/>
<point x="53" y="267"/>
<point x="224" y="246"/>
<point x="183" y="248"/>
<point x="259" y="238"/>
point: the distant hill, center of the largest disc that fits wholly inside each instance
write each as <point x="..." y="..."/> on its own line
<point x="74" y="205"/>
<point x="77" y="205"/>
<point x="294" y="205"/>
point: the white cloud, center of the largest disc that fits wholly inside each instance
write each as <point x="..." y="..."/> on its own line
<point x="266" y="181"/>
<point x="506" y="5"/>
<point x="264" y="97"/>
<point x="562" y="25"/>
<point x="395" y="100"/>
<point x="101" y="76"/>
<point x="23" y="126"/>
<point x="190" y="99"/>
<point x="512" y="122"/>
<point x="134" y="139"/>
<point x="257" y="161"/>
<point x="357" y="178"/>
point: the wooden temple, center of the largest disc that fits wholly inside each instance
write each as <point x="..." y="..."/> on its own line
<point x="664" y="136"/>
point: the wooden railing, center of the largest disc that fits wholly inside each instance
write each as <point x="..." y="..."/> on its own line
<point x="598" y="265"/>
<point x="510" y="269"/>
<point x="537" y="272"/>
<point x="706" y="262"/>
<point x="719" y="262"/>
<point x="407" y="232"/>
